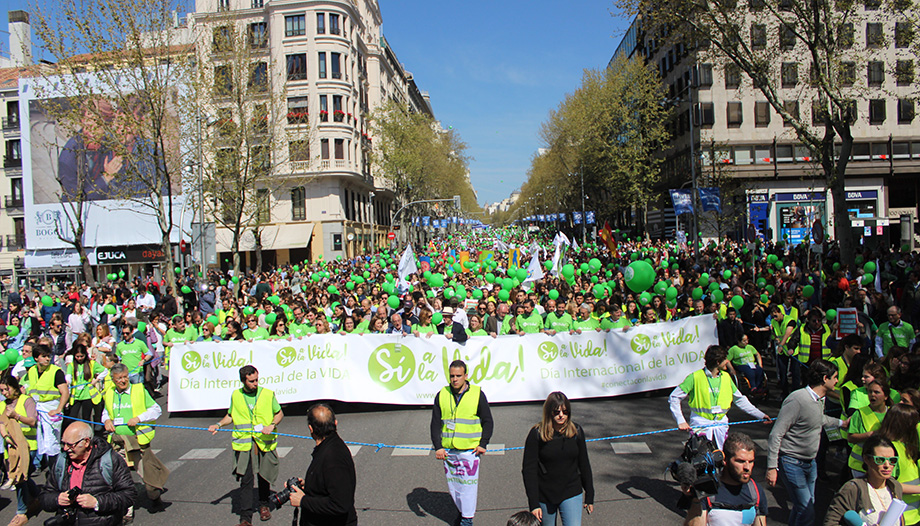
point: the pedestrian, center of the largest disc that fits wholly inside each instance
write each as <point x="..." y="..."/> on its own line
<point x="128" y="410"/>
<point x="787" y="365"/>
<point x="894" y="332"/>
<point x="20" y="411"/>
<point x="711" y="393"/>
<point x="47" y="384"/>
<point x="255" y="414"/>
<point x="461" y="427"/>
<point x="794" y="441"/>
<point x="106" y="490"/>
<point x="85" y="400"/>
<point x="523" y="518"/>
<point x="870" y="496"/>
<point x="900" y="427"/>
<point x="132" y="352"/>
<point x="327" y="493"/>
<point x="556" y="469"/>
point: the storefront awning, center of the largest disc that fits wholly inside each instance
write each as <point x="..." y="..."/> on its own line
<point x="274" y="237"/>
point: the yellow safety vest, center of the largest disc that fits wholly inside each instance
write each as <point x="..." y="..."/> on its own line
<point x="701" y="401"/>
<point x="460" y="424"/>
<point x="870" y="423"/>
<point x="245" y="420"/>
<point x="779" y="329"/>
<point x="842" y="369"/>
<point x="81" y="389"/>
<point x="31" y="433"/>
<point x="907" y="473"/>
<point x="42" y="387"/>
<point x="792" y="313"/>
<point x="805" y="344"/>
<point x="143" y="432"/>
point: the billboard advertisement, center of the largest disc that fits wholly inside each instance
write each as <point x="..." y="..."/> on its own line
<point x="92" y="154"/>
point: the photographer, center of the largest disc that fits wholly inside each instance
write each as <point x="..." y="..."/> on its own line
<point x="739" y="500"/>
<point x="327" y="497"/>
<point x="90" y="486"/>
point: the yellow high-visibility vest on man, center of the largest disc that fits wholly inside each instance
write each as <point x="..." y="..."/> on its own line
<point x="47" y="385"/>
<point x="129" y="409"/>
<point x="813" y="328"/>
<point x="461" y="427"/>
<point x="711" y="393"/>
<point x="255" y="414"/>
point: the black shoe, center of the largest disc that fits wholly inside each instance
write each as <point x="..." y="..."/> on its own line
<point x="158" y="505"/>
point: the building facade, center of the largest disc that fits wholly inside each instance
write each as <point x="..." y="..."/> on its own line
<point x="737" y="136"/>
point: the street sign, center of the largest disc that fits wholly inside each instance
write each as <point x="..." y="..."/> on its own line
<point x="391" y="236"/>
<point x="817" y="231"/>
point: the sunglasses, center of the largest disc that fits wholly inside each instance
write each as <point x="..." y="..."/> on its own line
<point x="68" y="446"/>
<point x="881" y="460"/>
<point x="561" y="411"/>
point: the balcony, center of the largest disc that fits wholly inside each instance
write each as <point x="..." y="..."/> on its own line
<point x="15" y="242"/>
<point x="300" y="166"/>
<point x="10" y="125"/>
<point x="340" y="163"/>
<point x="12" y="201"/>
<point x="12" y="162"/>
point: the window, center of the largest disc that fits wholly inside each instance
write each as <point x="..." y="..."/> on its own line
<point x="337" y="242"/>
<point x="298" y="110"/>
<point x="761" y="114"/>
<point x="226" y="126"/>
<point x="844" y="5"/>
<point x="324" y="149"/>
<point x="872" y="5"/>
<point x="336" y="65"/>
<point x="792" y="108"/>
<point x="904" y="72"/>
<point x="851" y="112"/>
<point x="16" y="188"/>
<point x="13" y="154"/>
<point x="876" y="111"/>
<point x="757" y="5"/>
<point x="903" y="34"/>
<point x="876" y="73"/>
<point x="258" y="35"/>
<point x="261" y="158"/>
<point x="758" y="36"/>
<point x="223" y="80"/>
<point x="223" y="5"/>
<point x="785" y="5"/>
<point x="818" y="113"/>
<point x="704" y="114"/>
<point x="846" y="35"/>
<point x="733" y="114"/>
<point x="340" y="149"/>
<point x="905" y="111"/>
<point x="295" y="25"/>
<point x="704" y="75"/>
<point x="263" y="200"/>
<point x="786" y="37"/>
<point x="846" y="75"/>
<point x="334" y="24"/>
<point x="324" y="108"/>
<point x="299" y="150"/>
<point x="320" y="23"/>
<point x="789" y="73"/>
<point x="299" y="203"/>
<point x="732" y="76"/>
<point x="322" y="65"/>
<point x="337" y="112"/>
<point x="258" y="4"/>
<point x="874" y="35"/>
<point x="258" y="77"/>
<point x="297" y="66"/>
<point x="222" y="39"/>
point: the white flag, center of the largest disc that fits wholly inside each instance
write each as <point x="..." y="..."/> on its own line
<point x="534" y="271"/>
<point x="406" y="267"/>
<point x="878" y="276"/>
<point x="574" y="245"/>
<point x="557" y="261"/>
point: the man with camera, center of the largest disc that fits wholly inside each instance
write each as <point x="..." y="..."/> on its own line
<point x="711" y="392"/>
<point x="327" y="496"/>
<point x="738" y="500"/>
<point x="90" y="484"/>
<point x="255" y="414"/>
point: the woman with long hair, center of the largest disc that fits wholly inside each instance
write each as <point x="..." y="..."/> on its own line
<point x="866" y="421"/>
<point x="254" y="332"/>
<point x="424" y="325"/>
<point x="233" y="330"/>
<point x="279" y="330"/>
<point x="85" y="400"/>
<point x="556" y="469"/>
<point x="22" y="409"/>
<point x="852" y="381"/>
<point x="859" y="397"/>
<point x="873" y="494"/>
<point x="900" y="427"/>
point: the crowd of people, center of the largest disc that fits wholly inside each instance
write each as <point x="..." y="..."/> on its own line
<point x="101" y="354"/>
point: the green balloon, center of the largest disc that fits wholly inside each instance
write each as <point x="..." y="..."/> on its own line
<point x="177" y="270"/>
<point x="764" y="298"/>
<point x="697" y="293"/>
<point x="599" y="291"/>
<point x="274" y="299"/>
<point x="393" y="302"/>
<point x="186" y="289"/>
<point x="869" y="267"/>
<point x="12" y="355"/>
<point x="332" y="290"/>
<point x="213" y="319"/>
<point x="477" y="294"/>
<point x="868" y="278"/>
<point x="704" y="279"/>
<point x="737" y="302"/>
<point x="248" y="311"/>
<point x="448" y="293"/>
<point x="727" y="274"/>
<point x="548" y="265"/>
<point x="223" y="281"/>
<point x="594" y="264"/>
<point x="761" y="282"/>
<point x="554" y="294"/>
<point x="661" y="287"/>
<point x="808" y="291"/>
<point x="836" y="266"/>
<point x="437" y="318"/>
<point x="718" y="296"/>
<point x="504" y="295"/>
<point x="235" y="279"/>
<point x="141" y="326"/>
<point x="270" y="318"/>
<point x="109" y="309"/>
<point x="671" y="293"/>
<point x="12" y="331"/>
<point x="645" y="298"/>
<point x="713" y="286"/>
<point x="831" y="314"/>
<point x="771" y="290"/>
<point x="4" y="363"/>
<point x="568" y="270"/>
<point x="47" y="301"/>
<point x="639" y="276"/>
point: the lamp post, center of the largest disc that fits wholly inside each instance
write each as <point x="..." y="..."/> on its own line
<point x="584" y="216"/>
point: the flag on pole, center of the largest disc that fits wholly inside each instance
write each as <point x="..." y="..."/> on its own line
<point x="606" y="234"/>
<point x="406" y="267"/>
<point x="535" y="270"/>
<point x="575" y="245"/>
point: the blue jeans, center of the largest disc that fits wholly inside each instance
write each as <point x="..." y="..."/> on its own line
<point x="753" y="373"/>
<point x="570" y="509"/>
<point x="785" y="365"/>
<point x="26" y="491"/>
<point x="799" y="477"/>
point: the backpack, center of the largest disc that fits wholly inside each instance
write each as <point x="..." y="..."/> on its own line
<point x="105" y="467"/>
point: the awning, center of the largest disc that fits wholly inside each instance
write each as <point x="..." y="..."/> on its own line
<point x="274" y="237"/>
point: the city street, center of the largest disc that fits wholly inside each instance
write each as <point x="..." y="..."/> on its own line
<point x="404" y="486"/>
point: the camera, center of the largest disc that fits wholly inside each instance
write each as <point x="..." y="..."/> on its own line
<point x="698" y="467"/>
<point x="279" y="498"/>
<point x="68" y="515"/>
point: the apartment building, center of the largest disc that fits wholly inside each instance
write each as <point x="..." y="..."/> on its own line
<point x="735" y="131"/>
<point x="335" y="67"/>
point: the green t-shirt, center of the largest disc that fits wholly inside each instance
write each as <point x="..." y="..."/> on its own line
<point x="261" y="333"/>
<point x="424" y="329"/>
<point x="586" y="325"/>
<point x="558" y="323"/>
<point x="190" y="335"/>
<point x="364" y="327"/>
<point x="743" y="355"/>
<point x="80" y="388"/>
<point x="479" y="332"/>
<point x="608" y="323"/>
<point x="131" y="354"/>
<point x="903" y="334"/>
<point x="250" y="401"/>
<point x="858" y="426"/>
<point x="859" y="398"/>
<point x="298" y="330"/>
<point x="531" y="324"/>
<point x="121" y="406"/>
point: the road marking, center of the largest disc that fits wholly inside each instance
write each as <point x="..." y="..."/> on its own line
<point x="156" y="451"/>
<point x="399" y="450"/>
<point x="630" y="448"/>
<point x="354" y="450"/>
<point x="202" y="454"/>
<point x="173" y="465"/>
<point x="283" y="451"/>
<point x="496" y="446"/>
<point x="762" y="443"/>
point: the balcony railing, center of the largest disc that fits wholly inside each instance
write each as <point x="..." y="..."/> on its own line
<point x="340" y="163"/>
<point x="300" y="166"/>
<point x="12" y="162"/>
<point x="12" y="202"/>
<point x="10" y="123"/>
<point x="15" y="242"/>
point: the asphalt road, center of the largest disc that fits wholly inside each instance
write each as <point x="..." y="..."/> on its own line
<point x="405" y="486"/>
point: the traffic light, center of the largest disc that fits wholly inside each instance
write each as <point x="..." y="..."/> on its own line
<point x="183" y="247"/>
<point x="457" y="201"/>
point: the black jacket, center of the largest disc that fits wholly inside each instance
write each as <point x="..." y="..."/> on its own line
<point x="114" y="498"/>
<point x="330" y="486"/>
<point x="556" y="470"/>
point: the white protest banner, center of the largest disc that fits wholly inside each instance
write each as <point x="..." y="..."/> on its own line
<point x="390" y="369"/>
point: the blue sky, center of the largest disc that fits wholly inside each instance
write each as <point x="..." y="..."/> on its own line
<point x="494" y="69"/>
